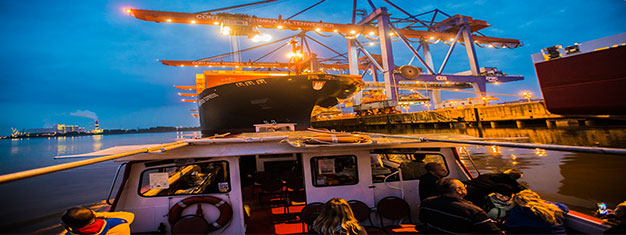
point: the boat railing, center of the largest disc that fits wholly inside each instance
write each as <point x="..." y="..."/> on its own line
<point x="401" y="188"/>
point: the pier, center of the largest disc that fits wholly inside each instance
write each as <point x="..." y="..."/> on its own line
<point x="518" y="115"/>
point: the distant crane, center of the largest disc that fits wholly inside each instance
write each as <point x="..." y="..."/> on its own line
<point x="452" y="30"/>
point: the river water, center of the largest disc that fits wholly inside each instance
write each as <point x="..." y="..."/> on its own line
<point x="576" y="179"/>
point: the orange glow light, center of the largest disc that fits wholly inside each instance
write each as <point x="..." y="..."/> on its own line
<point x="193" y="21"/>
<point x="169" y="20"/>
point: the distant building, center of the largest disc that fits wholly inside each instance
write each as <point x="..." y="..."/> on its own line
<point x="57" y="128"/>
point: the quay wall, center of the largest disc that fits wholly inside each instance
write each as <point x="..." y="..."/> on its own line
<point x="518" y="115"/>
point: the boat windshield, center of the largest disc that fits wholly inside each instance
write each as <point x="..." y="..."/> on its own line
<point x="412" y="165"/>
<point x="199" y="178"/>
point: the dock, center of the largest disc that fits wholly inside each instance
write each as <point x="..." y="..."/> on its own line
<point x="518" y="115"/>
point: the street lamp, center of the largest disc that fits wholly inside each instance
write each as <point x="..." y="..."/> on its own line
<point x="527" y="95"/>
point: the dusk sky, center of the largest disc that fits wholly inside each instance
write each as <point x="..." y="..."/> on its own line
<point x="64" y="61"/>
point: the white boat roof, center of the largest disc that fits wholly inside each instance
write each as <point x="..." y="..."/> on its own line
<point x="283" y="142"/>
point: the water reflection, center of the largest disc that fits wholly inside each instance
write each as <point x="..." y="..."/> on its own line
<point x="579" y="136"/>
<point x="97" y="142"/>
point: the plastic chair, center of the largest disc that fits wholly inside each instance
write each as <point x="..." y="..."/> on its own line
<point x="309" y="213"/>
<point x="361" y="213"/>
<point x="396" y="209"/>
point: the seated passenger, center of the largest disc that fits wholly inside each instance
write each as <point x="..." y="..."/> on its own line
<point x="427" y="182"/>
<point x="619" y="217"/>
<point x="450" y="213"/>
<point x="485" y="184"/>
<point x="532" y="215"/>
<point x="498" y="203"/>
<point x="415" y="168"/>
<point x="337" y="218"/>
<point x="80" y="220"/>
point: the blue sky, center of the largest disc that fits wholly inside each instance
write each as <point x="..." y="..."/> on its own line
<point x="62" y="61"/>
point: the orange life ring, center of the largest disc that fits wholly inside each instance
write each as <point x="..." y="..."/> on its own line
<point x="336" y="138"/>
<point x="226" y="211"/>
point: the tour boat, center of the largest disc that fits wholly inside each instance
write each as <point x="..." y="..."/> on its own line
<point x="272" y="182"/>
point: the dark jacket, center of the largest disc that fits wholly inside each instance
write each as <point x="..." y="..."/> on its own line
<point x="485" y="184"/>
<point x="453" y="215"/>
<point x="427" y="186"/>
<point x="523" y="220"/>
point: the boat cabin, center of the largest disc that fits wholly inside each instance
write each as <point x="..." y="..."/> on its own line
<point x="274" y="174"/>
<point x="269" y="182"/>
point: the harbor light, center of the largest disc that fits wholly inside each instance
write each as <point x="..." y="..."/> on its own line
<point x="262" y="37"/>
<point x="280" y="27"/>
<point x="193" y="21"/>
<point x="169" y="20"/>
<point x="225" y="30"/>
<point x="318" y="29"/>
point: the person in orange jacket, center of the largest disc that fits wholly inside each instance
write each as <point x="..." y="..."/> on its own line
<point x="80" y="220"/>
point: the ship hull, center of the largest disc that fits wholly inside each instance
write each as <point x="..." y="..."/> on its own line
<point x="237" y="107"/>
<point x="588" y="83"/>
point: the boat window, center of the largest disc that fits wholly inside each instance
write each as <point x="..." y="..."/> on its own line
<point x="199" y="178"/>
<point x="334" y="170"/>
<point x="384" y="164"/>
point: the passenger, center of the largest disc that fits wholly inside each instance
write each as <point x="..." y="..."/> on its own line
<point x="486" y="184"/>
<point x="450" y="213"/>
<point x="337" y="218"/>
<point x="436" y="171"/>
<point x="498" y="203"/>
<point x="80" y="220"/>
<point x="532" y="215"/>
<point x="415" y="168"/>
<point x="619" y="215"/>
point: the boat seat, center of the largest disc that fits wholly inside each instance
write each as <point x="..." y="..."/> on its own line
<point x="396" y="209"/>
<point x="361" y="213"/>
<point x="309" y="213"/>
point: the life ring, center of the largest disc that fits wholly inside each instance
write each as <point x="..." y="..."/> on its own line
<point x="226" y="211"/>
<point x="336" y="138"/>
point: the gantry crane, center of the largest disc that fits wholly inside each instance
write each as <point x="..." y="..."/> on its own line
<point x="453" y="30"/>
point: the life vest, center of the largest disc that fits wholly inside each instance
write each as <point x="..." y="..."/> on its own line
<point x="108" y="225"/>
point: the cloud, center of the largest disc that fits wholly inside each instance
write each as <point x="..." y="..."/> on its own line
<point x="85" y="113"/>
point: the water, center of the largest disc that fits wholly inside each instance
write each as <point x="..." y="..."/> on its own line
<point x="36" y="202"/>
<point x="577" y="179"/>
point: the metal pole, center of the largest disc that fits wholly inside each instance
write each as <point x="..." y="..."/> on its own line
<point x="387" y="56"/>
<point x="61" y="167"/>
<point x="556" y="147"/>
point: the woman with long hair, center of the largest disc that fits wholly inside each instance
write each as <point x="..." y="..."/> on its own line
<point x="337" y="218"/>
<point x="533" y="215"/>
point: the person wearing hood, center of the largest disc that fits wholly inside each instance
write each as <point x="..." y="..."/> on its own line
<point x="81" y="220"/>
<point x="498" y="203"/>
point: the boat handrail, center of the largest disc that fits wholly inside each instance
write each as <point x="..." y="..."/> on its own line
<point x="401" y="188"/>
<point x="61" y="167"/>
<point x="570" y="148"/>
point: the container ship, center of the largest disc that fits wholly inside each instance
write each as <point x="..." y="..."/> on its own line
<point x="235" y="101"/>
<point x="584" y="79"/>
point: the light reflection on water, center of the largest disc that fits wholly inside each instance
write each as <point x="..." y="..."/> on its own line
<point x="579" y="180"/>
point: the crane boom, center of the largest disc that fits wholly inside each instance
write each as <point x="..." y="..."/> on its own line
<point x="230" y="64"/>
<point x="251" y="23"/>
